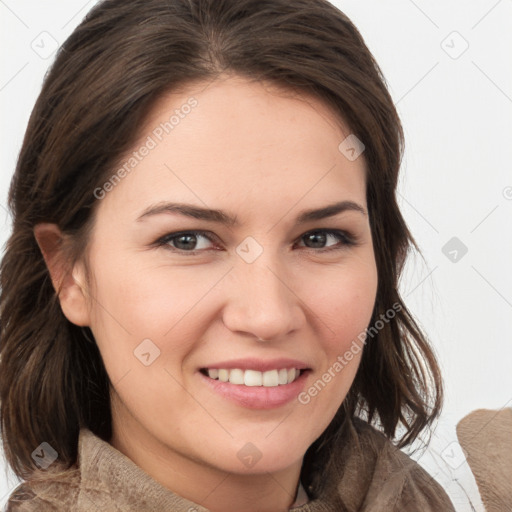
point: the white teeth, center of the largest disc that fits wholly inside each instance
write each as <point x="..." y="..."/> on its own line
<point x="270" y="379"/>
<point x="283" y="376"/>
<point x="253" y="378"/>
<point x="236" y="376"/>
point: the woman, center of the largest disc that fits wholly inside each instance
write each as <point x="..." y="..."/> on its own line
<point x="199" y="303"/>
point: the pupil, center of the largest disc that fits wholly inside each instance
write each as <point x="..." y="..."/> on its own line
<point x="318" y="239"/>
<point x="190" y="238"/>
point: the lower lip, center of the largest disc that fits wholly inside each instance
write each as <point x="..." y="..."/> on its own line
<point x="258" y="397"/>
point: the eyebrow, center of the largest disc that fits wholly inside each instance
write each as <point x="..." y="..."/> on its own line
<point x="221" y="217"/>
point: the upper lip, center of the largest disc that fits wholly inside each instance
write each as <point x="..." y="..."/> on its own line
<point x="259" y="364"/>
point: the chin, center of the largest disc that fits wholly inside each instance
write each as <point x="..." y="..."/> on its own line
<point x="261" y="454"/>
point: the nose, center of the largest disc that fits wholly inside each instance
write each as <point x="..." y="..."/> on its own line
<point x="262" y="303"/>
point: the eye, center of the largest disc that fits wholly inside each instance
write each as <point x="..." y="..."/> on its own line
<point x="186" y="241"/>
<point x="190" y="241"/>
<point x="319" y="238"/>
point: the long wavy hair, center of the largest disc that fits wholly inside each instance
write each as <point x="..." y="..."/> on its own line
<point x="105" y="78"/>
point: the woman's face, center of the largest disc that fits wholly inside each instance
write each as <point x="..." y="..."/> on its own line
<point x="164" y="311"/>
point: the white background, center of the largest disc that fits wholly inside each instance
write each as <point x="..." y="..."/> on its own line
<point x="456" y="181"/>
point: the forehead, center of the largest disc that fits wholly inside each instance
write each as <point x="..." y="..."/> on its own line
<point x="250" y="145"/>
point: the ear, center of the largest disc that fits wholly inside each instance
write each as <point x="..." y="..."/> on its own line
<point x="69" y="283"/>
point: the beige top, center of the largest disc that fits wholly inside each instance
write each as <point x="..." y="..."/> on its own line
<point x="486" y="436"/>
<point x="365" y="473"/>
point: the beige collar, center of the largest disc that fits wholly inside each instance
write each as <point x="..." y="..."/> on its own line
<point x="364" y="469"/>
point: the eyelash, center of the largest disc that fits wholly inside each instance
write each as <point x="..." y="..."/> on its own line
<point x="346" y="238"/>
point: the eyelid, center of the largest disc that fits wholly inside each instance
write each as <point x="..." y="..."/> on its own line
<point x="164" y="240"/>
<point x="347" y="238"/>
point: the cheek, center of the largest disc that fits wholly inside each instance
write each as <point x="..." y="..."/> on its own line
<point x="344" y="302"/>
<point x="344" y="307"/>
<point x="134" y="303"/>
<point x="147" y="300"/>
<point x="145" y="326"/>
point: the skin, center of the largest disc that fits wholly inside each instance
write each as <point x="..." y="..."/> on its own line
<point x="263" y="155"/>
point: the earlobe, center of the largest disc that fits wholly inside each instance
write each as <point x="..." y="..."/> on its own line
<point x="68" y="282"/>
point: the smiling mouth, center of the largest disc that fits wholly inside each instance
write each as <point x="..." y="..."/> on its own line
<point x="254" y="378"/>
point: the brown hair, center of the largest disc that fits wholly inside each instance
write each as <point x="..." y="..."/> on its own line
<point x="105" y="78"/>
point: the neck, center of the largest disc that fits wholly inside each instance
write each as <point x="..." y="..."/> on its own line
<point x="216" y="490"/>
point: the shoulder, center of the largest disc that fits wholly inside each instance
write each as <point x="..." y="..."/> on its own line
<point x="102" y="479"/>
<point x="399" y="481"/>
<point x="371" y="474"/>
<point x="58" y="487"/>
<point x="55" y="488"/>
<point x="44" y="495"/>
